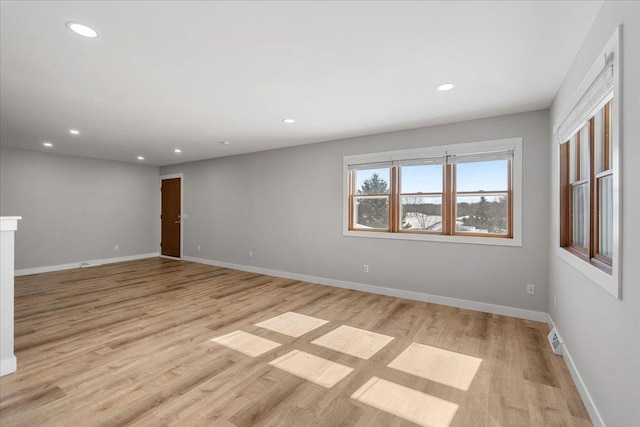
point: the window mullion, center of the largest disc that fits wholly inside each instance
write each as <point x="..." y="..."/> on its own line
<point x="394" y="200"/>
<point x="352" y="192"/>
<point x="578" y="176"/>
<point x="593" y="199"/>
<point x="565" y="196"/>
<point x="510" y="198"/>
<point x="448" y="200"/>
<point x="607" y="137"/>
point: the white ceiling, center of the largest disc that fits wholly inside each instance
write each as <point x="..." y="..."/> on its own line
<point x="168" y="74"/>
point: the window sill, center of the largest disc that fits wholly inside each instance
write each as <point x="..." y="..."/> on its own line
<point x="595" y="274"/>
<point x="492" y="241"/>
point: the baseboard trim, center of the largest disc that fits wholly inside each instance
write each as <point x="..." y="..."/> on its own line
<point x="417" y="296"/>
<point x="49" y="268"/>
<point x="8" y="365"/>
<point x="596" y="419"/>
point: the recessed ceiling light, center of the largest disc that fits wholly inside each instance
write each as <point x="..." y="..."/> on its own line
<point x="82" y="30"/>
<point x="140" y="158"/>
<point x="225" y="143"/>
<point x="446" y="86"/>
<point x="47" y="144"/>
<point x="289" y="121"/>
<point x="177" y="150"/>
<point x="74" y="132"/>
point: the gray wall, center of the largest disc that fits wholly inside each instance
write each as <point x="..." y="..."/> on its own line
<point x="602" y="333"/>
<point x="76" y="209"/>
<point x="286" y="206"/>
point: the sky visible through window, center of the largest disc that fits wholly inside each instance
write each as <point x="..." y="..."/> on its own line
<point x="488" y="176"/>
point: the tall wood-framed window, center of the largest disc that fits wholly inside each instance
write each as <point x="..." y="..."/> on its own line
<point x="589" y="174"/>
<point x="461" y="192"/>
<point x="587" y="197"/>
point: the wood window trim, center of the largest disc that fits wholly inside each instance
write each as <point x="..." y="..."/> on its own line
<point x="507" y="235"/>
<point x="601" y="85"/>
<point x="449" y="189"/>
<point x="399" y="216"/>
<point x="593" y="196"/>
<point x="407" y="157"/>
<point x="449" y="197"/>
<point x="578" y="176"/>
<point x="565" y="197"/>
<point x="351" y="184"/>
<point x="590" y="253"/>
<point x="607" y="137"/>
<point x="509" y="192"/>
<point x="353" y="197"/>
<point x="394" y="201"/>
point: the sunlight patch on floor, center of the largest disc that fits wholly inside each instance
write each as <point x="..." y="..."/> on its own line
<point x="313" y="368"/>
<point x="435" y="364"/>
<point x="292" y="324"/>
<point x="246" y="343"/>
<point x="407" y="403"/>
<point x="353" y="341"/>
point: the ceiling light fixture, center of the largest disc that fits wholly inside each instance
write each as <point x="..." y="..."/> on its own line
<point x="140" y="158"/>
<point x="225" y="143"/>
<point x="47" y="144"/>
<point x="289" y="121"/>
<point x="74" y="132"/>
<point x="177" y="150"/>
<point x="446" y="86"/>
<point x="82" y="30"/>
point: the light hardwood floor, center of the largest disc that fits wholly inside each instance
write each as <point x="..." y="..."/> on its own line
<point x="131" y="344"/>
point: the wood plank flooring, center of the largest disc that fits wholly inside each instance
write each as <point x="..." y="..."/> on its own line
<point x="131" y="344"/>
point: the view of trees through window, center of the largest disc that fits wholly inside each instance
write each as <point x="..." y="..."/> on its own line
<point x="490" y="214"/>
<point x="373" y="207"/>
<point x="481" y="206"/>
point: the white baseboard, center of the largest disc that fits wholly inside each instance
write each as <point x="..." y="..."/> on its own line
<point x="417" y="296"/>
<point x="46" y="269"/>
<point x="596" y="419"/>
<point x="8" y="366"/>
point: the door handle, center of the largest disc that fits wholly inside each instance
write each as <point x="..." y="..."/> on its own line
<point x="177" y="222"/>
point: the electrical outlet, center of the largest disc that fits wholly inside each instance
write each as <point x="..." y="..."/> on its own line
<point x="531" y="289"/>
<point x="198" y="247"/>
<point x="250" y="254"/>
<point x="116" y="247"/>
<point x="366" y="268"/>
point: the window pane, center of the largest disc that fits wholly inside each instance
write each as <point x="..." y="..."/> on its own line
<point x="372" y="181"/>
<point x="573" y="150"/>
<point x="584" y="151"/>
<point x="371" y="212"/>
<point x="421" y="213"/>
<point x="482" y="176"/>
<point x="421" y="179"/>
<point x="599" y="135"/>
<point x="580" y="205"/>
<point x="605" y="208"/>
<point x="608" y="145"/>
<point x="482" y="214"/>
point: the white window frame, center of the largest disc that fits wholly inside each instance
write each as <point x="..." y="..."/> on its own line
<point x="612" y="283"/>
<point x="514" y="144"/>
